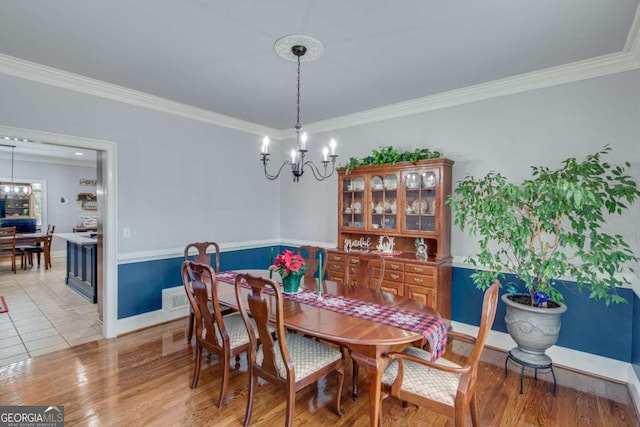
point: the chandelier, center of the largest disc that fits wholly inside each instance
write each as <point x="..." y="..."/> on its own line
<point x="294" y="48"/>
<point x="14" y="188"/>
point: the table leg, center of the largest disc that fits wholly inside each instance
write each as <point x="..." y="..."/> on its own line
<point x="374" y="368"/>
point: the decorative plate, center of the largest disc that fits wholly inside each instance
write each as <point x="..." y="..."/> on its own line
<point x="419" y="206"/>
<point x="412" y="180"/>
<point x="394" y="253"/>
<point x="356" y="206"/>
<point x="428" y="179"/>
<point x="388" y="222"/>
<point x="376" y="183"/>
<point x="358" y="184"/>
<point x="390" y="182"/>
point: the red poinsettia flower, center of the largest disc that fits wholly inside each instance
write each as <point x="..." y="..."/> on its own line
<point x="288" y="263"/>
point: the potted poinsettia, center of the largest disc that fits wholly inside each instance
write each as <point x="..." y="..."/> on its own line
<point x="547" y="228"/>
<point x="291" y="268"/>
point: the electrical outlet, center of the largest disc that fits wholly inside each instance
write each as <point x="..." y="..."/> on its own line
<point x="126" y="232"/>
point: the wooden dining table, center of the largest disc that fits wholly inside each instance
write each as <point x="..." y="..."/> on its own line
<point x="30" y="238"/>
<point x="367" y="341"/>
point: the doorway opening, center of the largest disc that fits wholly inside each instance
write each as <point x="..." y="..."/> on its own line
<point x="107" y="214"/>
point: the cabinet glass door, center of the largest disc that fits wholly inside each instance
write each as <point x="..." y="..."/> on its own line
<point x="353" y="202"/>
<point x="420" y="200"/>
<point x="384" y="194"/>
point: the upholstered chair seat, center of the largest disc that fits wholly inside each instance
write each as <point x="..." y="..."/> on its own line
<point x="308" y="356"/>
<point x="429" y="383"/>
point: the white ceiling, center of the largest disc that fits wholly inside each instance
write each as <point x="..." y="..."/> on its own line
<point x="218" y="55"/>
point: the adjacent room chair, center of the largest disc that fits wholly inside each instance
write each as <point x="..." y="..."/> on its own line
<point x="310" y="255"/>
<point x="202" y="255"/>
<point x="8" y="245"/>
<point x="359" y="269"/>
<point x="37" y="249"/>
<point x="225" y="336"/>
<point x="442" y="385"/>
<point x="291" y="361"/>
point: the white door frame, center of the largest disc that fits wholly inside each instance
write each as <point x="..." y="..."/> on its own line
<point x="110" y="224"/>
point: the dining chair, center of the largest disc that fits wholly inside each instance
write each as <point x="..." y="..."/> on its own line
<point x="359" y="272"/>
<point x="226" y="335"/>
<point x="442" y="386"/>
<point x="39" y="248"/>
<point x="202" y="255"/>
<point x="359" y="269"/>
<point x="310" y="255"/>
<point x="8" y="245"/>
<point x="290" y="361"/>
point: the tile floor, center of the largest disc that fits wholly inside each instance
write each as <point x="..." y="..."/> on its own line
<point x="44" y="315"/>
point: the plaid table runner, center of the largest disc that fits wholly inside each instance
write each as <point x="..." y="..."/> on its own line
<point x="430" y="327"/>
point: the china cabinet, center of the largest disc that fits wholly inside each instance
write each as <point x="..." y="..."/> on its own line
<point x="17" y="199"/>
<point x="403" y="204"/>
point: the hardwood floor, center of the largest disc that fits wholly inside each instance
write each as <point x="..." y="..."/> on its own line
<point x="143" y="379"/>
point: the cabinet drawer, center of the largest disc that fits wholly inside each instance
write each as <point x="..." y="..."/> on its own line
<point x="375" y="274"/>
<point x="392" y="287"/>
<point x="335" y="257"/>
<point x="336" y="277"/>
<point x="393" y="266"/>
<point x="335" y="266"/>
<point x="419" y="280"/>
<point x="393" y="276"/>
<point x="419" y="269"/>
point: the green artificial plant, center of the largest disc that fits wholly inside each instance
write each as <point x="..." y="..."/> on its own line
<point x="389" y="155"/>
<point x="549" y="226"/>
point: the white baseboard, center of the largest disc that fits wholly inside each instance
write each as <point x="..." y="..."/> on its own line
<point x="633" y="384"/>
<point x="565" y="357"/>
<point x="151" y="318"/>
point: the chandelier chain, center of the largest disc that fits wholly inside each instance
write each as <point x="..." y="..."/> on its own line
<point x="298" y="126"/>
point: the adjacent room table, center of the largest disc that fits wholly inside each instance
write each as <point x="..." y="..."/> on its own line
<point x="367" y="340"/>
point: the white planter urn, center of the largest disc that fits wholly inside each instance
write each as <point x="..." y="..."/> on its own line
<point x="534" y="329"/>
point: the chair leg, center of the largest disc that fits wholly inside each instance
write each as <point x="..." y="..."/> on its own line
<point x="198" y="361"/>
<point x="190" y="333"/>
<point x="460" y="415"/>
<point x="339" y="409"/>
<point x="252" y="391"/>
<point x="291" y="406"/>
<point x="473" y="405"/>
<point x="226" y="367"/>
<point x="356" y="369"/>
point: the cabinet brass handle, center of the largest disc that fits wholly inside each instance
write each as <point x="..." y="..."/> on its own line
<point x="417" y="280"/>
<point x="337" y="267"/>
<point x="417" y="269"/>
<point x="395" y="266"/>
<point x="355" y="261"/>
<point x="395" y="276"/>
<point x="337" y="258"/>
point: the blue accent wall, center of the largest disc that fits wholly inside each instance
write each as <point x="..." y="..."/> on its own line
<point x="588" y="325"/>
<point x="635" y="341"/>
<point x="140" y="284"/>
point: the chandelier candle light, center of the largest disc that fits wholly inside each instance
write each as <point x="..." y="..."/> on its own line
<point x="14" y="188"/>
<point x="294" y="48"/>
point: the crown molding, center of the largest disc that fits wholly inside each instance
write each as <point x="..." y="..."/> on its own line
<point x="626" y="60"/>
<point x="581" y="70"/>
<point x="51" y="76"/>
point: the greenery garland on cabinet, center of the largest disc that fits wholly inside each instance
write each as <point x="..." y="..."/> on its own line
<point x="389" y="155"/>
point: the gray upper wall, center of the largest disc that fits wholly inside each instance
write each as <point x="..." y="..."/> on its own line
<point x="181" y="180"/>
